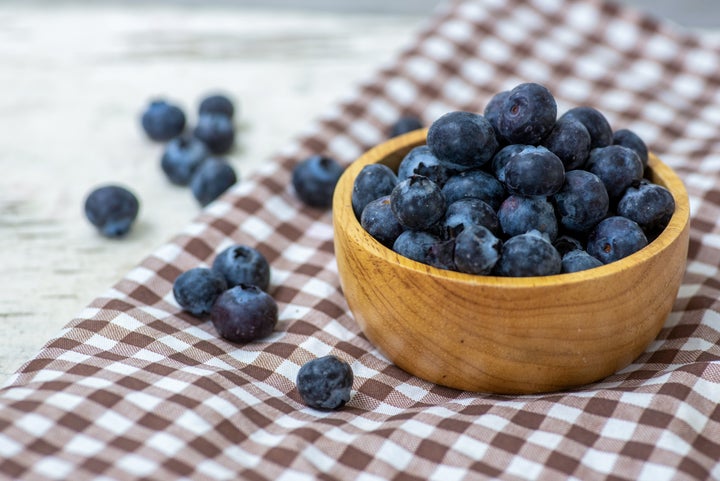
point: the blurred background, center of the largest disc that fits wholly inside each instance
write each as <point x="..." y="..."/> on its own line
<point x="75" y="77"/>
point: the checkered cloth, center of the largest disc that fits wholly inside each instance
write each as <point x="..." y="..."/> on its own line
<point x="136" y="389"/>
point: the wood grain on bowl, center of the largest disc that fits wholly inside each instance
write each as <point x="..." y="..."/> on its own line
<point x="499" y="334"/>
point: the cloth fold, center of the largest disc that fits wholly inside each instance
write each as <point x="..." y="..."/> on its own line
<point x="134" y="388"/>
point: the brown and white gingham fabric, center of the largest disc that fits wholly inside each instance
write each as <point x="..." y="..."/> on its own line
<point x="136" y="389"/>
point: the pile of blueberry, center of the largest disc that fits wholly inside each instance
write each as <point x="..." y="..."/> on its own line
<point x="516" y="191"/>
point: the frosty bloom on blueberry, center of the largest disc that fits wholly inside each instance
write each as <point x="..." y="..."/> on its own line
<point x="112" y="209"/>
<point x="527" y="177"/>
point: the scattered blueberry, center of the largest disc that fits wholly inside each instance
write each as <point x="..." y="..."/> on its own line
<point x="582" y="201"/>
<point x="477" y="250"/>
<point x="244" y="313"/>
<point x="378" y="220"/>
<point x="462" y="140"/>
<point x="597" y="125"/>
<point x="325" y="382"/>
<point x="372" y="182"/>
<point x="417" y="202"/>
<point x="211" y="179"/>
<point x="196" y="290"/>
<point x="162" y="121"/>
<point x="314" y="180"/>
<point x="650" y="205"/>
<point x="527" y="115"/>
<point x="112" y="209"/>
<point x="216" y="131"/>
<point x="527" y="255"/>
<point x="405" y="124"/>
<point x="628" y="138"/>
<point x="420" y="161"/>
<point x="614" y="238"/>
<point x="617" y="167"/>
<point x="181" y="158"/>
<point x="534" y="171"/>
<point x="570" y="141"/>
<point x="242" y="264"/>
<point x="518" y="215"/>
<point x="578" y="260"/>
<point x="217" y="104"/>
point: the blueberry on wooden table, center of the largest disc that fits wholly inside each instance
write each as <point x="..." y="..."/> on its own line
<point x="217" y="131"/>
<point x="314" y="180"/>
<point x="112" y="209"/>
<point x="244" y="313"/>
<point x="211" y="179"/>
<point x="325" y="382"/>
<point x="242" y="264"/>
<point x="196" y="290"/>
<point x="217" y="104"/>
<point x="181" y="158"/>
<point x="162" y="120"/>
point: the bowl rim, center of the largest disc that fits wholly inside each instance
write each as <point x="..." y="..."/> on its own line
<point x="345" y="218"/>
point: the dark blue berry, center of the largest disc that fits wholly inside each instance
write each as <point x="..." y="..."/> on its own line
<point x="527" y="115"/>
<point x="217" y="104"/>
<point x="415" y="245"/>
<point x="242" y="264"/>
<point x="570" y="141"/>
<point x="470" y="211"/>
<point x="477" y="250"/>
<point x="650" y="205"/>
<point x="534" y="171"/>
<point x="474" y="184"/>
<point x="372" y="182"/>
<point x="582" y="201"/>
<point x="503" y="156"/>
<point x="216" y="131"/>
<point x="493" y="109"/>
<point x="197" y="289"/>
<point x="420" y="161"/>
<point x="378" y="220"/>
<point x="325" y="382"/>
<point x="578" y="260"/>
<point x="314" y="180"/>
<point x="244" y="313"/>
<point x="112" y="209"/>
<point x="462" y="140"/>
<point x="405" y="124"/>
<point x="181" y="158"/>
<point x="617" y="167"/>
<point x="211" y="179"/>
<point x="597" y="125"/>
<point x="518" y="215"/>
<point x="162" y="121"/>
<point x="417" y="202"/>
<point x="566" y="243"/>
<point x="614" y="238"/>
<point x="628" y="138"/>
<point x="527" y="255"/>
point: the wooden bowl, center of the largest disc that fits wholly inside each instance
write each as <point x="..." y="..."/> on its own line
<point x="506" y="335"/>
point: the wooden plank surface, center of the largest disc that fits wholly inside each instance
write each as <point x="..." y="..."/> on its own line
<point x="75" y="79"/>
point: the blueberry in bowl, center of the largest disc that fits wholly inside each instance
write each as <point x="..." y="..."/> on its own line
<point x="573" y="323"/>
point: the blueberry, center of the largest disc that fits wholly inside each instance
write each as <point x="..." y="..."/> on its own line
<point x="617" y="166"/>
<point x="582" y="201"/>
<point x="112" y="209"/>
<point x="216" y="131"/>
<point x="477" y="250"/>
<point x="650" y="205"/>
<point x="415" y="245"/>
<point x="405" y="124"/>
<point x="372" y="182"/>
<point x="417" y="202"/>
<point x="493" y="109"/>
<point x="314" y="180"/>
<point x="527" y="255"/>
<point x="378" y="220"/>
<point x="503" y="156"/>
<point x="197" y="289"/>
<point x="420" y="161"/>
<point x="244" y="313"/>
<point x="162" y="121"/>
<point x="462" y="140"/>
<point x="242" y="264"/>
<point x="578" y="260"/>
<point x="325" y="382"/>
<point x="217" y="104"/>
<point x="519" y="214"/>
<point x="614" y="238"/>
<point x="534" y="171"/>
<point x="212" y="178"/>
<point x="527" y="115"/>
<point x="181" y="158"/>
<point x="570" y="141"/>
<point x="471" y="211"/>
<point x="474" y="184"/>
<point x="597" y="125"/>
<point x="566" y="243"/>
<point x="441" y="255"/>
<point x="628" y="138"/>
